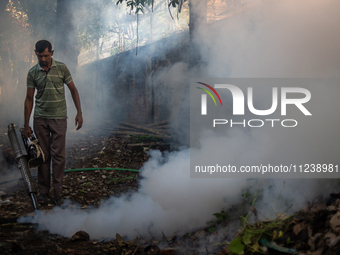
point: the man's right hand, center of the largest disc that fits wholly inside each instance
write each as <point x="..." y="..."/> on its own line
<point x="27" y="132"/>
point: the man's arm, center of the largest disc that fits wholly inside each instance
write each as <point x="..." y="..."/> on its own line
<point x="76" y="100"/>
<point x="27" y="111"/>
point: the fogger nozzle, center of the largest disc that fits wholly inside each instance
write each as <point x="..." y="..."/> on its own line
<point x="20" y="155"/>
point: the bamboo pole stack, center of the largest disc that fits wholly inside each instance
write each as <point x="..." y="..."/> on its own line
<point x="158" y="129"/>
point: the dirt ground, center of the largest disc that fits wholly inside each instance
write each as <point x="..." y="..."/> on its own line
<point x="313" y="231"/>
<point x="98" y="154"/>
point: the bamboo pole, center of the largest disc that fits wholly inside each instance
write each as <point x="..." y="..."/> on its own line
<point x="142" y="128"/>
<point x="158" y="123"/>
<point x="146" y="144"/>
<point x="138" y="133"/>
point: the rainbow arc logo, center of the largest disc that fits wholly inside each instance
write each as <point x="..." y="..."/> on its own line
<point x="204" y="97"/>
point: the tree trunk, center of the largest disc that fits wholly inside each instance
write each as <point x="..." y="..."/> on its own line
<point x="197" y="22"/>
<point x="66" y="49"/>
<point x="4" y="53"/>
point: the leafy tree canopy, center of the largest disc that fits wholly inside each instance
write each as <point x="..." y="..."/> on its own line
<point x="138" y="5"/>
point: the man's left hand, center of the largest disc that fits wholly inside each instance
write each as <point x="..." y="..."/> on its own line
<point x="79" y="121"/>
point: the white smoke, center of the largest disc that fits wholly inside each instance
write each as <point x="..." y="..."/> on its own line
<point x="275" y="39"/>
<point x="272" y="39"/>
<point x="167" y="201"/>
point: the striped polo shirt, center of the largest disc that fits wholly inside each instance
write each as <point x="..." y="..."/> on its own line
<point x="50" y="100"/>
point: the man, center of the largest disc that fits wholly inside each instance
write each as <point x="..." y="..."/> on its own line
<point x="48" y="78"/>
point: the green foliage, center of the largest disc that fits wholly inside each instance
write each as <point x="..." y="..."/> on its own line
<point x="40" y="15"/>
<point x="87" y="184"/>
<point x="236" y="246"/>
<point x="145" y="138"/>
<point x="212" y="229"/>
<point x="246" y="194"/>
<point x="121" y="179"/>
<point x="173" y="3"/>
<point x="248" y="240"/>
<point x="246" y="197"/>
<point x="221" y="217"/>
<point x="20" y="21"/>
<point x="138" y="5"/>
<point x="251" y="236"/>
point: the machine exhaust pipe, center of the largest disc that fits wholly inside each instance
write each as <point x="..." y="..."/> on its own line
<point x="21" y="157"/>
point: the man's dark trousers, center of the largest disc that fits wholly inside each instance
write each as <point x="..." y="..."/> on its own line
<point x="51" y="134"/>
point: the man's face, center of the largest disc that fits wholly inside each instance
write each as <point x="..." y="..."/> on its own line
<point x="44" y="58"/>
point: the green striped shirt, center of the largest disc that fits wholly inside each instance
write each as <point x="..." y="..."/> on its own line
<point x="50" y="100"/>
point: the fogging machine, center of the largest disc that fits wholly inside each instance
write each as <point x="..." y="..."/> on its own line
<point x="27" y="155"/>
